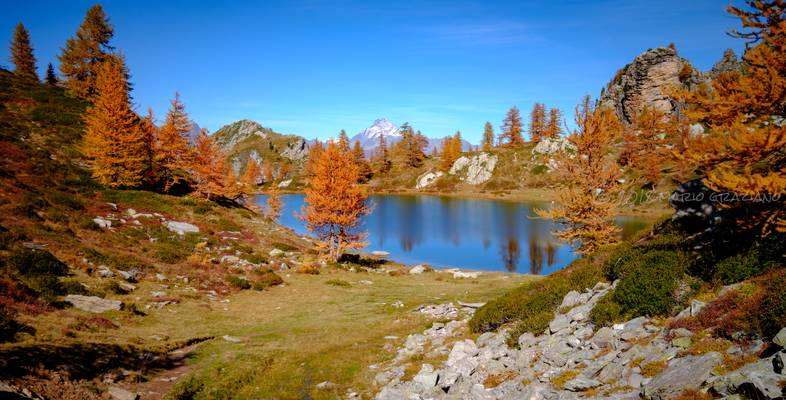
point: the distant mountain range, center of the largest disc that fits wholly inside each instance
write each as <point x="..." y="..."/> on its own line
<point x="369" y="137"/>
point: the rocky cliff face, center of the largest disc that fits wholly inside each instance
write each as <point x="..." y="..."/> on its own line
<point x="644" y="83"/>
<point x="246" y="139"/>
<point x="729" y="63"/>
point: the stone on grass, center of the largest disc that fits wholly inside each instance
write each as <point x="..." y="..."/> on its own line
<point x="604" y="337"/>
<point x="232" y="339"/>
<point x="572" y="299"/>
<point x="427" y="376"/>
<point x="418" y="269"/>
<point x="181" y="228"/>
<point x="102" y="222"/>
<point x="276" y="253"/>
<point x="118" y="393"/>
<point x="92" y="303"/>
<point x="462" y="274"/>
<point x="682" y="341"/>
<point x="326" y="385"/>
<point x="581" y="383"/>
<point x="559" y="323"/>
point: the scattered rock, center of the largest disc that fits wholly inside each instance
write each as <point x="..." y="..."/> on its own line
<point x="181" y="228"/>
<point x="92" y="303"/>
<point x="232" y="339"/>
<point x="285" y="183"/>
<point x="127" y="287"/>
<point x="552" y="146"/>
<point x="427" y="376"/>
<point x="427" y="179"/>
<point x="418" y="269"/>
<point x="581" y="383"/>
<point x="687" y="373"/>
<point x="102" y="222"/>
<point x="118" y="393"/>
<point x="780" y="338"/>
<point x="462" y="274"/>
<point x="479" y="168"/>
<point x="276" y="253"/>
<point x="380" y="253"/>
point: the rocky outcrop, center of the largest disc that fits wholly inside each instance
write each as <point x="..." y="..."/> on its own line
<point x="479" y="168"/>
<point x="296" y="150"/>
<point x="728" y="63"/>
<point x="574" y="359"/>
<point x="230" y="135"/>
<point x="427" y="179"/>
<point x="549" y="146"/>
<point x="181" y="228"/>
<point x="644" y="81"/>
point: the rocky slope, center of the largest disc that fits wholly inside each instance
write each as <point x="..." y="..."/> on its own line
<point x="573" y="359"/>
<point x="248" y="139"/>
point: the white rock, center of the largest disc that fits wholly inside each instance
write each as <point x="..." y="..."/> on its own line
<point x="181" y="228"/>
<point x="92" y="303"/>
<point x="102" y="222"/>
<point x="418" y="269"/>
<point x="427" y="179"/>
<point x="276" y="253"/>
<point x="462" y="274"/>
<point x="232" y="339"/>
<point x="285" y="183"/>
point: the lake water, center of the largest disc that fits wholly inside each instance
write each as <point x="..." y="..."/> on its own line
<point x="480" y="234"/>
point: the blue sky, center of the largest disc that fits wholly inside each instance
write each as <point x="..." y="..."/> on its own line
<point x="315" y="67"/>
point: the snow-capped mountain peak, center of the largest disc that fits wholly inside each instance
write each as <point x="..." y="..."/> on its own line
<point x="381" y="126"/>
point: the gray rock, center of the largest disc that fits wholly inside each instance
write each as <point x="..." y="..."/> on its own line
<point x="427" y="179"/>
<point x="276" y="253"/>
<point x="181" y="228"/>
<point x="296" y="150"/>
<point x="118" y="393"/>
<point x="572" y="299"/>
<point x="757" y="380"/>
<point x="537" y="391"/>
<point x="683" y="341"/>
<point x="105" y="272"/>
<point x="688" y="373"/>
<point x="127" y="287"/>
<point x="581" y="383"/>
<point x="418" y="269"/>
<point x="604" y="337"/>
<point x="559" y="323"/>
<point x="325" y="385"/>
<point x="526" y="340"/>
<point x="552" y="146"/>
<point x="681" y="332"/>
<point x="102" y="222"/>
<point x="232" y="339"/>
<point x="479" y="168"/>
<point x="779" y="362"/>
<point x="427" y="376"/>
<point x="780" y="338"/>
<point x="92" y="303"/>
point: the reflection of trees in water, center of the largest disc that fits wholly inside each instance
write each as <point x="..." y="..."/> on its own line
<point x="510" y="253"/>
<point x="551" y="254"/>
<point x="535" y="256"/>
<point x="410" y="222"/>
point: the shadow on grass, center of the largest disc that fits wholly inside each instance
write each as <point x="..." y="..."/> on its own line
<point x="87" y="360"/>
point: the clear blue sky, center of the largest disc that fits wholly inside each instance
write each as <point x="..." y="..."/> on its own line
<point x="314" y="67"/>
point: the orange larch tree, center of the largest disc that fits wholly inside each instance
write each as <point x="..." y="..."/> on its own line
<point x="488" y="137"/>
<point x="208" y="168"/>
<point x="383" y="156"/>
<point x="537" y="122"/>
<point x="22" y="54"/>
<point x="644" y="142"/>
<point x="512" y="128"/>
<point x="174" y="154"/>
<point x="114" y="139"/>
<point x="335" y="202"/>
<point x="267" y="170"/>
<point x="251" y="176"/>
<point x="274" y="203"/>
<point x="587" y="205"/>
<point x="313" y="155"/>
<point x="743" y="151"/>
<point x="553" y="126"/>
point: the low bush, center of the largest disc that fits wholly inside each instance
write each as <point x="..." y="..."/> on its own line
<point x="265" y="279"/>
<point x="66" y="199"/>
<point x="9" y="327"/>
<point x="40" y="271"/>
<point x="309" y="269"/>
<point x="240" y="282"/>
<point x="532" y="305"/>
<point x="606" y="311"/>
<point x="254" y="258"/>
<point x="339" y="283"/>
<point x="648" y="283"/>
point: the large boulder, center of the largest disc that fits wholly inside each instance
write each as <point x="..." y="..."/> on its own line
<point x="687" y="373"/>
<point x="551" y="146"/>
<point x="296" y="150"/>
<point x="181" y="228"/>
<point x="93" y="304"/>
<point x="427" y="179"/>
<point x="479" y="168"/>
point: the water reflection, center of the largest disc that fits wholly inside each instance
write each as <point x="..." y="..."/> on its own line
<point x="465" y="233"/>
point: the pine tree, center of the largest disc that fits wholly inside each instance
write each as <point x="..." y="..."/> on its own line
<point x="410" y="147"/>
<point x="343" y="141"/>
<point x="114" y="140"/>
<point x="80" y="59"/>
<point x="383" y="156"/>
<point x="251" y="176"/>
<point x="51" y="78"/>
<point x="335" y="202"/>
<point x="586" y="207"/>
<point x="553" y="127"/>
<point x="644" y="142"/>
<point x="537" y="124"/>
<point x="512" y="128"/>
<point x="209" y="169"/>
<point x="274" y="204"/>
<point x="488" y="137"/>
<point x="22" y="54"/>
<point x="364" y="169"/>
<point x="173" y="151"/>
<point x="743" y="152"/>
<point x="150" y="137"/>
<point x="232" y="188"/>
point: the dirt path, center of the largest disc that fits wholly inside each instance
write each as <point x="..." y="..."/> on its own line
<point x="158" y="386"/>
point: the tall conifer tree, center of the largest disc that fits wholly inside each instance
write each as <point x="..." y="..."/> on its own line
<point x="22" y="54"/>
<point x="82" y="55"/>
<point x="512" y="128"/>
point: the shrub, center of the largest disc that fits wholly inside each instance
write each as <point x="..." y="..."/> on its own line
<point x="533" y="304"/>
<point x="255" y="258"/>
<point x="539" y="169"/>
<point x="309" y="269"/>
<point x="648" y="283"/>
<point x="606" y="311"/>
<point x="240" y="282"/>
<point x="284" y="246"/>
<point x="339" y="283"/>
<point x="40" y="271"/>
<point x="266" y="279"/>
<point x="9" y="327"/>
<point x="67" y="200"/>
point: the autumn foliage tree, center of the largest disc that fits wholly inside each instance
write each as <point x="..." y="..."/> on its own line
<point x="83" y="54"/>
<point x="644" y="142"/>
<point x="537" y="122"/>
<point x="744" y="150"/>
<point x="410" y="147"/>
<point x="382" y="157"/>
<point x="313" y="156"/>
<point x="274" y="203"/>
<point x="488" y="137"/>
<point x="114" y="139"/>
<point x="364" y="168"/>
<point x="209" y="168"/>
<point x="173" y="151"/>
<point x="22" y="54"/>
<point x="335" y="203"/>
<point x="251" y="176"/>
<point x="512" y="128"/>
<point x="586" y="206"/>
<point x="553" y="127"/>
<point x="451" y="150"/>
